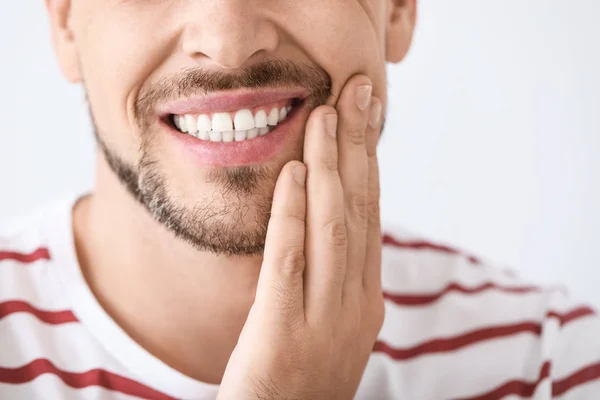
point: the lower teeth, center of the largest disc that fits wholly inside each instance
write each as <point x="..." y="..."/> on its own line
<point x="232" y="136"/>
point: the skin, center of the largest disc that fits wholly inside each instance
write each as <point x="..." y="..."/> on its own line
<point x="320" y="271"/>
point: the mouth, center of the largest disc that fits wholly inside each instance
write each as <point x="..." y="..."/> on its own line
<point x="235" y="129"/>
<point x="236" y="126"/>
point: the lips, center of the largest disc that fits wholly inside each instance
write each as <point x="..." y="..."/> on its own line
<point x="234" y="129"/>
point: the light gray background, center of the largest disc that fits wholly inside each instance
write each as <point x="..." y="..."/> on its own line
<point x="492" y="140"/>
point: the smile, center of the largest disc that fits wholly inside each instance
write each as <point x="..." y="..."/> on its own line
<point x="237" y="126"/>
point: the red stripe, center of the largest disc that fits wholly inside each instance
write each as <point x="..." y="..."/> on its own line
<point x="443" y="345"/>
<point x="40" y="254"/>
<point x="423" y="299"/>
<point x="584" y="375"/>
<point x="515" y="388"/>
<point x="424" y="245"/>
<point x="49" y="317"/>
<point x="571" y="315"/>
<point x="79" y="380"/>
<point x="527" y="389"/>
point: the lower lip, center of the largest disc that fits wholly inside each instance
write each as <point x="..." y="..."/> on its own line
<point x="245" y="153"/>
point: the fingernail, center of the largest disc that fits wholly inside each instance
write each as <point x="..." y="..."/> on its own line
<point x="363" y="96"/>
<point x="331" y="124"/>
<point x="375" y="116"/>
<point x="300" y="174"/>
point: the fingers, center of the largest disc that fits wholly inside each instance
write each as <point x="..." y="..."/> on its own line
<point x="281" y="275"/>
<point x="354" y="108"/>
<point x="343" y="240"/>
<point x="372" y="271"/>
<point x="326" y="236"/>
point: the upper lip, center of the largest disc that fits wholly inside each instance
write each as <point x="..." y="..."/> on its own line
<point x="228" y="101"/>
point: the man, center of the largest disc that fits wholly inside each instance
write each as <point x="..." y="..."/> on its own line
<point x="232" y="246"/>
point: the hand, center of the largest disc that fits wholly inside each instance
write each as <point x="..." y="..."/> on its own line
<point x="319" y="303"/>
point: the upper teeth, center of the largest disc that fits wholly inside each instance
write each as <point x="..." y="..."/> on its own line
<point x="222" y="127"/>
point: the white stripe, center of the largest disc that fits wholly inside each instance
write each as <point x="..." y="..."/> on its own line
<point x="430" y="271"/>
<point x="575" y="347"/>
<point x="24" y="240"/>
<point x="35" y="283"/>
<point x="69" y="347"/>
<point x="470" y="371"/>
<point x="457" y="313"/>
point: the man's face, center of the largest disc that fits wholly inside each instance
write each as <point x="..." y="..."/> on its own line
<point x="154" y="69"/>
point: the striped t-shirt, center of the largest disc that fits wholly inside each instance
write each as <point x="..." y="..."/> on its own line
<point x="455" y="328"/>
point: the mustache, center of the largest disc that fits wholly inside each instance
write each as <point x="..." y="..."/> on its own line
<point x="267" y="73"/>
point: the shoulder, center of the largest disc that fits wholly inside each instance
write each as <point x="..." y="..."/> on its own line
<point x="420" y="268"/>
<point x="23" y="242"/>
<point x="27" y="279"/>
<point x="24" y="239"/>
<point x="450" y="312"/>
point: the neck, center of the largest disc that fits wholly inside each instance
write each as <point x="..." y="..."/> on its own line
<point x="185" y="306"/>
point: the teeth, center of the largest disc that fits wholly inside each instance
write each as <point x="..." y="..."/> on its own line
<point x="191" y="124"/>
<point x="204" y="123"/>
<point x="182" y="124"/>
<point x="240" y="135"/>
<point x="222" y="122"/>
<point x="244" y="120"/>
<point x="273" y="118"/>
<point x="227" y="136"/>
<point x="282" y="114"/>
<point x="203" y="135"/>
<point x="215" y="136"/>
<point x="220" y="128"/>
<point x="252" y="133"/>
<point x="261" y="119"/>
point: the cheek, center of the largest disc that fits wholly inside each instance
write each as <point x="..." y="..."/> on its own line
<point x="344" y="38"/>
<point x="118" y="51"/>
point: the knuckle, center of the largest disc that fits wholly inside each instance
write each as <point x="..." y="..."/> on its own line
<point x="359" y="204"/>
<point x="356" y="135"/>
<point x="292" y="262"/>
<point x="292" y="218"/>
<point x="295" y="215"/>
<point x="330" y="163"/>
<point x="373" y="211"/>
<point x="336" y="233"/>
<point x="372" y="141"/>
<point x="323" y="110"/>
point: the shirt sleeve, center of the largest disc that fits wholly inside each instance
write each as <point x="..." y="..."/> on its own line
<point x="571" y="351"/>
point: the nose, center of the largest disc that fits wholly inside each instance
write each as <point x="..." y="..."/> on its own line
<point x="229" y="33"/>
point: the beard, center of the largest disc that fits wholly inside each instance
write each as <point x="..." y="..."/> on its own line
<point x="233" y="220"/>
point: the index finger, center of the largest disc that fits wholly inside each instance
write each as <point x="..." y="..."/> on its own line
<point x="284" y="261"/>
